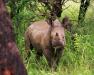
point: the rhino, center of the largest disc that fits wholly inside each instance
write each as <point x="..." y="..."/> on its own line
<point x="47" y="39"/>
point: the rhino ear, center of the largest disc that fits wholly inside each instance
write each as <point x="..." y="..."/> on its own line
<point x="66" y="23"/>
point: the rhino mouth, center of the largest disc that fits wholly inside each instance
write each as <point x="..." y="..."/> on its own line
<point x="57" y="47"/>
<point x="57" y="44"/>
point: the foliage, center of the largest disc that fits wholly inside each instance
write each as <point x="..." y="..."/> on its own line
<point x="77" y="60"/>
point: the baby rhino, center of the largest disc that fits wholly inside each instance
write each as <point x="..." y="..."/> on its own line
<point x="47" y="39"/>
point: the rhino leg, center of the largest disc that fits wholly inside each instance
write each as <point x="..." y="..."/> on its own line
<point x="57" y="56"/>
<point x="48" y="53"/>
<point x="28" y="46"/>
<point x="39" y="54"/>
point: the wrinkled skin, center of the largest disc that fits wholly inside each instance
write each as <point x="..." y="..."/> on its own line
<point x="46" y="39"/>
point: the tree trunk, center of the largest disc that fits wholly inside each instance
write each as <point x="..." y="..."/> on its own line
<point x="83" y="8"/>
<point x="57" y="8"/>
<point x="10" y="61"/>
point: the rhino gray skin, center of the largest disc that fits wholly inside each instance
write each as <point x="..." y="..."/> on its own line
<point x="48" y="40"/>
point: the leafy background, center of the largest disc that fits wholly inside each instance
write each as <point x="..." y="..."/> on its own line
<point x="78" y="56"/>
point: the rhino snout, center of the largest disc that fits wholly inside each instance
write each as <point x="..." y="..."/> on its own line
<point x="58" y="43"/>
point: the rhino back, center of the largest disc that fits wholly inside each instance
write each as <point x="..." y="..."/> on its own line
<point x="39" y="34"/>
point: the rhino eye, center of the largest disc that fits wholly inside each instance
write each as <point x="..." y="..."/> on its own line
<point x="63" y="37"/>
